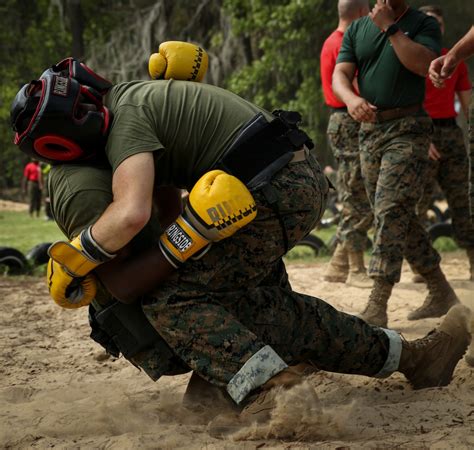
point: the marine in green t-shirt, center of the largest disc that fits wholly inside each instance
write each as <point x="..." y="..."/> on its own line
<point x="187" y="126"/>
<point x="383" y="80"/>
<point x="389" y="52"/>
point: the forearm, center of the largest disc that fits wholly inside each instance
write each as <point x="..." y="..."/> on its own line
<point x="343" y="87"/>
<point x="130" y="211"/>
<point x="465" y="100"/>
<point x="465" y="47"/>
<point x="118" y="225"/>
<point x="128" y="279"/>
<point x="415" y="57"/>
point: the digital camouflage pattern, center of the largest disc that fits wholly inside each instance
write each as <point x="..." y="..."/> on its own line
<point x="471" y="160"/>
<point x="257" y="370"/>
<point x="356" y="215"/>
<point x="451" y="173"/>
<point x="218" y="311"/>
<point x="394" y="159"/>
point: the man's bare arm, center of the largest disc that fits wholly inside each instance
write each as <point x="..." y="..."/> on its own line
<point x="444" y="66"/>
<point x="465" y="47"/>
<point x="342" y="85"/>
<point x="127" y="278"/>
<point x="132" y="187"/>
<point x="415" y="57"/>
<point x="465" y="100"/>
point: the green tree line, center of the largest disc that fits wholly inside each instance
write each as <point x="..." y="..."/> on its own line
<point x="266" y="51"/>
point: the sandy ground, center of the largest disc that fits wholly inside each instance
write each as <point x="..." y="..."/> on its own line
<point x="7" y="205"/>
<point x="57" y="390"/>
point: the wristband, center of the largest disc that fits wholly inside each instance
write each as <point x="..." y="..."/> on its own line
<point x="92" y="249"/>
<point x="392" y="29"/>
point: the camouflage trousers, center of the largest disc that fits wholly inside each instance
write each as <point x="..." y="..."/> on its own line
<point x="34" y="196"/>
<point x="356" y="215"/>
<point x="219" y="311"/>
<point x="394" y="158"/>
<point x="471" y="160"/>
<point x="451" y="173"/>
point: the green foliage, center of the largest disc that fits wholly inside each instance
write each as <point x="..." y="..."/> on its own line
<point x="30" y="36"/>
<point x="445" y="244"/>
<point x="286" y="37"/>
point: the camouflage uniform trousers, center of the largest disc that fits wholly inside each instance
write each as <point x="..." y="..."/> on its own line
<point x="356" y="215"/>
<point x="451" y="173"/>
<point x="34" y="196"/>
<point x="471" y="160"/>
<point x="394" y="158"/>
<point x="220" y="310"/>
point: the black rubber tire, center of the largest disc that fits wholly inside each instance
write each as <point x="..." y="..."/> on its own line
<point x="315" y="243"/>
<point x="333" y="243"/>
<point x="446" y="215"/>
<point x="440" y="230"/>
<point x="14" y="260"/>
<point x="439" y="216"/>
<point x="38" y="255"/>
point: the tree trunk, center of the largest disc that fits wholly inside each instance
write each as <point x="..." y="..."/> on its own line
<point x="76" y="22"/>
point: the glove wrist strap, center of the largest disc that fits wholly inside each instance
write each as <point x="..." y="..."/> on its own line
<point x="93" y="250"/>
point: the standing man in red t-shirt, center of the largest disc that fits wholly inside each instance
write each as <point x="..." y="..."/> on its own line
<point x="343" y="131"/>
<point x="449" y="164"/>
<point x="33" y="183"/>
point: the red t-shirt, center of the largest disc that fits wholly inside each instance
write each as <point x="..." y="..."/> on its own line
<point x="31" y="172"/>
<point x="329" y="53"/>
<point x="439" y="103"/>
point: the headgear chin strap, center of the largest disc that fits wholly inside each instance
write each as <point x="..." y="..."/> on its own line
<point x="50" y="119"/>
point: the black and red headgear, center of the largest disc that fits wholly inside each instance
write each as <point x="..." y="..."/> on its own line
<point x="61" y="116"/>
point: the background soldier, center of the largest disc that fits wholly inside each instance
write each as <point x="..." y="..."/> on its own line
<point x="32" y="183"/>
<point x="448" y="164"/>
<point x="391" y="50"/>
<point x="440" y="70"/>
<point x="343" y="134"/>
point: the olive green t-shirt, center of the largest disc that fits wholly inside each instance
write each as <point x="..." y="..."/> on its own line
<point x="187" y="125"/>
<point x="383" y="80"/>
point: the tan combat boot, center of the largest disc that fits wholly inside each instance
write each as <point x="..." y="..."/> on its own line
<point x="259" y="406"/>
<point x="338" y="266"/>
<point x="375" y="312"/>
<point x="439" y="299"/>
<point x="200" y="395"/>
<point x="357" y="272"/>
<point x="470" y="255"/>
<point x="470" y="354"/>
<point x="430" y="361"/>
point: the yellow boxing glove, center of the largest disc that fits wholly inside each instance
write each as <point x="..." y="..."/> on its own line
<point x="68" y="291"/>
<point x="178" y="60"/>
<point x="68" y="278"/>
<point x="218" y="206"/>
